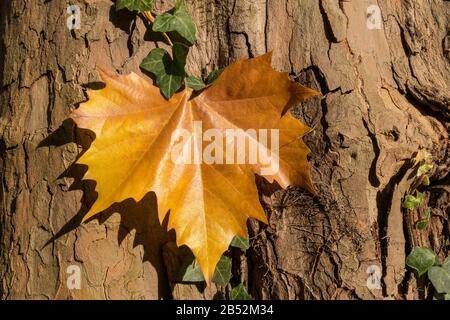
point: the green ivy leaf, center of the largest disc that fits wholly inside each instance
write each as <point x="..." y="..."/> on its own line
<point x="440" y="278"/>
<point x="240" y="293"/>
<point x="213" y="76"/>
<point x="426" y="180"/>
<point x="419" y="196"/>
<point x="222" y="274"/>
<point x="195" y="83"/>
<point x="410" y="202"/>
<point x="180" y="52"/>
<point x="446" y="264"/>
<point x="199" y="84"/>
<point x="413" y="202"/>
<point x="191" y="272"/>
<point x="154" y="62"/>
<point x="169" y="72"/>
<point x="180" y="21"/>
<point x="424" y="168"/>
<point x="135" y="5"/>
<point x="169" y="84"/>
<point x="421" y="259"/>
<point x="422" y="224"/>
<point x="441" y="296"/>
<point x="240" y="242"/>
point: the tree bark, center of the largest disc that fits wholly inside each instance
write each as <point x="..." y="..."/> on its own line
<point x="384" y="96"/>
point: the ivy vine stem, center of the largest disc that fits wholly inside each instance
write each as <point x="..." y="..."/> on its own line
<point x="150" y="18"/>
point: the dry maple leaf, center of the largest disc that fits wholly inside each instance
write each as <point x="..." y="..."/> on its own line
<point x="209" y="203"/>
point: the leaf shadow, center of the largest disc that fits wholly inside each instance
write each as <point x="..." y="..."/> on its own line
<point x="122" y="19"/>
<point x="141" y="216"/>
<point x="151" y="35"/>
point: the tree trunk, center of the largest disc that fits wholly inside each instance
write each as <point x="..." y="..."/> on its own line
<point x="384" y="96"/>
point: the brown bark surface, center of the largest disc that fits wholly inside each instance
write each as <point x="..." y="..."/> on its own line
<point x="385" y="95"/>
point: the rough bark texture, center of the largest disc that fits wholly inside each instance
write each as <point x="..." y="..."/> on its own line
<point x="385" y="95"/>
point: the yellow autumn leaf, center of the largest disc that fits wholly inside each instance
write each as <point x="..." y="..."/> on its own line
<point x="143" y="145"/>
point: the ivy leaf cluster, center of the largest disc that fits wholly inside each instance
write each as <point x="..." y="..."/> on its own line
<point x="168" y="66"/>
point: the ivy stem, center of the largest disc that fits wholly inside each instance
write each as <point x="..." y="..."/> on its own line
<point x="150" y="18"/>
